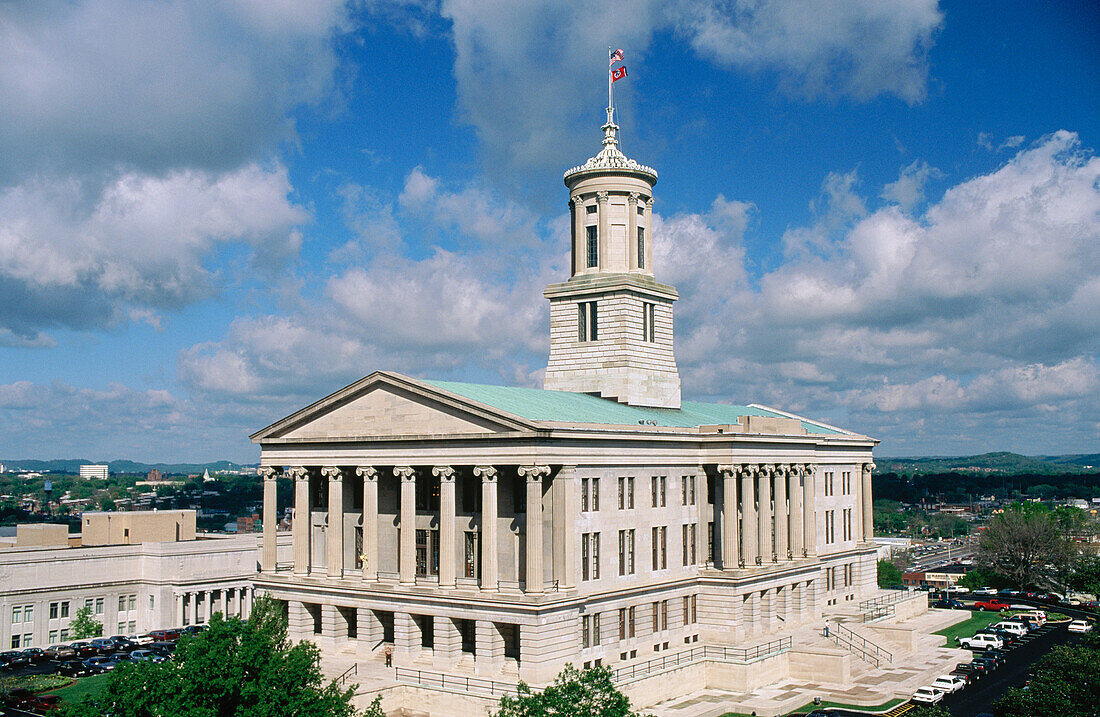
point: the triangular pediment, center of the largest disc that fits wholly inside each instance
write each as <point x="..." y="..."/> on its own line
<point x="389" y="405"/>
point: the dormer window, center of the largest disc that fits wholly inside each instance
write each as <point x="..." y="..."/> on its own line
<point x="593" y="247"/>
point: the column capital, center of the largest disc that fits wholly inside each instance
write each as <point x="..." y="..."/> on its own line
<point x="601" y="197"/>
<point x="868" y="467"/>
<point x="444" y="473"/>
<point x="748" y="469"/>
<point x="298" y="473"/>
<point x="369" y="473"/>
<point x="809" y="468"/>
<point x="576" y="198"/>
<point x="487" y="474"/>
<point x="533" y="474"/>
<point x="632" y="198"/>
<point x="728" y="470"/>
<point x="405" y="473"/>
<point x="765" y="469"/>
<point x="332" y="473"/>
<point x="268" y="473"/>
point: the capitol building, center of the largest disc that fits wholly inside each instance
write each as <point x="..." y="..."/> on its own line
<point x="451" y="539"/>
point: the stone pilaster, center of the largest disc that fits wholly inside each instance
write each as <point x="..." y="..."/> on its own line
<point x="489" y="646"/>
<point x="448" y="643"/>
<point x="406" y="561"/>
<point x="369" y="556"/>
<point x="632" y="230"/>
<point x="368" y="630"/>
<point x="334" y="543"/>
<point x="867" y="505"/>
<point x="406" y="639"/>
<point x="301" y="527"/>
<point x="605" y="230"/>
<point x="489" y="572"/>
<point x="299" y="621"/>
<point x="579" y="216"/>
<point x="565" y="508"/>
<point x="533" y="475"/>
<point x="270" y="520"/>
<point x="764" y="513"/>
<point x="446" y="476"/>
<point x="809" y="510"/>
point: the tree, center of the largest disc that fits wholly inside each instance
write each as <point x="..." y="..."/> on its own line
<point x="888" y="574"/>
<point x="1065" y="683"/>
<point x="84" y="625"/>
<point x="1026" y="544"/>
<point x="929" y="711"/>
<point x="233" y="668"/>
<point x="574" y="693"/>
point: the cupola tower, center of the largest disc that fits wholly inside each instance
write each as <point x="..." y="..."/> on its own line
<point x="611" y="322"/>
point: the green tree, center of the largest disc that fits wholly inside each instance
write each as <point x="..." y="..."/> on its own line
<point x="1026" y="544"/>
<point x="981" y="578"/>
<point x="574" y="693"/>
<point x="1064" y="683"/>
<point x="888" y="574"/>
<point x="232" y="669"/>
<point x="928" y="711"/>
<point x="84" y="625"/>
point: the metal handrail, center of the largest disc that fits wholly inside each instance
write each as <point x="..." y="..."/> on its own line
<point x="346" y="675"/>
<point x="440" y="680"/>
<point x="861" y="645"/>
<point x="891" y="597"/>
<point x="700" y="654"/>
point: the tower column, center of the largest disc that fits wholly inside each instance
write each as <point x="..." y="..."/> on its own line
<point x="369" y="557"/>
<point x="534" y="475"/>
<point x="270" y="518"/>
<point x="604" y="230"/>
<point x="764" y="513"/>
<point x="406" y="544"/>
<point x="446" y="476"/>
<point x="489" y="573"/>
<point x="334" y="544"/>
<point x="795" y="491"/>
<point x="867" y="505"/>
<point x="578" y="253"/>
<point x="564" y="509"/>
<point x="300" y="528"/>
<point x="749" y="527"/>
<point x="729" y="517"/>
<point x="632" y="230"/>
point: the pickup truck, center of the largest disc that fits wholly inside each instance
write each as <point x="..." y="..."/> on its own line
<point x="990" y="604"/>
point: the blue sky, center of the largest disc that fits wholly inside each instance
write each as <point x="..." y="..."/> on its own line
<point x="885" y="215"/>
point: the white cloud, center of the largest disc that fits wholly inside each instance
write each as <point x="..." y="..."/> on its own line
<point x="908" y="190"/>
<point x="76" y="257"/>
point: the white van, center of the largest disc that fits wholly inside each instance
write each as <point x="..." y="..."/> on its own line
<point x="1037" y="618"/>
<point x="1016" y="628"/>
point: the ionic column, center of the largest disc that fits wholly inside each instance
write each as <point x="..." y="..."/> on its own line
<point x="406" y="545"/>
<point x="764" y="514"/>
<point x="794" y="474"/>
<point x="301" y="520"/>
<point x="729" y="517"/>
<point x="579" y="235"/>
<point x="865" y="498"/>
<point x="604" y="237"/>
<point x="809" y="517"/>
<point x="649" y="239"/>
<point x="446" y="476"/>
<point x="632" y="230"/>
<point x="749" y="527"/>
<point x="534" y="475"/>
<point x="702" y="498"/>
<point x="181" y="601"/>
<point x="489" y="573"/>
<point x="334" y="545"/>
<point x="369" y="474"/>
<point x="782" y="516"/>
<point x="271" y="517"/>
<point x="565" y="509"/>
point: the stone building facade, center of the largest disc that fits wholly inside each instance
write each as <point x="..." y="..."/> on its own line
<point x="503" y="532"/>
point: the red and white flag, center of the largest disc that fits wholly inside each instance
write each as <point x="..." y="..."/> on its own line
<point x="618" y="73"/>
<point x="616" y="56"/>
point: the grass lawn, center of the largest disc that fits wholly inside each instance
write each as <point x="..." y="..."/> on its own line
<point x="969" y="626"/>
<point x="83" y="687"/>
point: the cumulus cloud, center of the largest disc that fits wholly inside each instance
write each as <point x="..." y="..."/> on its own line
<point x="77" y="257"/>
<point x="908" y="190"/>
<point x="854" y="49"/>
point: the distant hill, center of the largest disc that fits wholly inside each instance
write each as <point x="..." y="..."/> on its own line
<point x="1000" y="462"/>
<point x="72" y="466"/>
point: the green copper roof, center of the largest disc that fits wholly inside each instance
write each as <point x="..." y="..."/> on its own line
<point x="536" y="404"/>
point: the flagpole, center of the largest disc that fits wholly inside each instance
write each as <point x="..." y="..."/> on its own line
<point x="610" y="91"/>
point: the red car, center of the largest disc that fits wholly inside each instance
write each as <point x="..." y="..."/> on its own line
<point x="991" y="604"/>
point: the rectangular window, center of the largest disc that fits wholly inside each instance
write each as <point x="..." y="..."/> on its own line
<point x="470" y="555"/>
<point x="587" y="321"/>
<point x="590" y="494"/>
<point x="427" y="552"/>
<point x="846" y="482"/>
<point x="689" y="543"/>
<point x="648" y="323"/>
<point x="55" y="635"/>
<point x="65" y="635"/>
<point x="710" y="541"/>
<point x="590" y="556"/>
<point x="641" y="247"/>
<point x="586" y="631"/>
<point x="122" y="603"/>
<point x="626" y="493"/>
<point x="622" y="493"/>
<point x="657" y="486"/>
<point x="15" y="642"/>
<point x="99" y="606"/>
<point x="622" y="623"/>
<point x="626" y="552"/>
<point x="16" y="615"/>
<point x="660" y="556"/>
<point x="65" y="609"/>
<point x="592" y="247"/>
<point x="28" y="613"/>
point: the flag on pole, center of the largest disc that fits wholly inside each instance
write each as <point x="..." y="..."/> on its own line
<point x="618" y="73"/>
<point x="616" y="56"/>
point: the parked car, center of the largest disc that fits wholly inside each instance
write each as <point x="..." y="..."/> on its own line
<point x="981" y="642"/>
<point x="140" y="655"/>
<point x="928" y="695"/>
<point x="1016" y="628"/>
<point x="71" y="668"/>
<point x="997" y="656"/>
<point x="103" y="645"/>
<point x="990" y="604"/>
<point x="165" y="635"/>
<point x="946" y="604"/>
<point x="99" y="664"/>
<point x="1007" y="593"/>
<point x="1080" y="626"/>
<point x="34" y="654"/>
<point x="1038" y="618"/>
<point x="193" y="629"/>
<point x="45" y="703"/>
<point x="1008" y="638"/>
<point x="141" y="640"/>
<point x="164" y="648"/>
<point x="60" y="652"/>
<point x="985" y="592"/>
<point x="949" y="683"/>
<point x="14" y="658"/>
<point x="18" y="697"/>
<point x="969" y="668"/>
<point x="990" y="663"/>
<point x="83" y="649"/>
